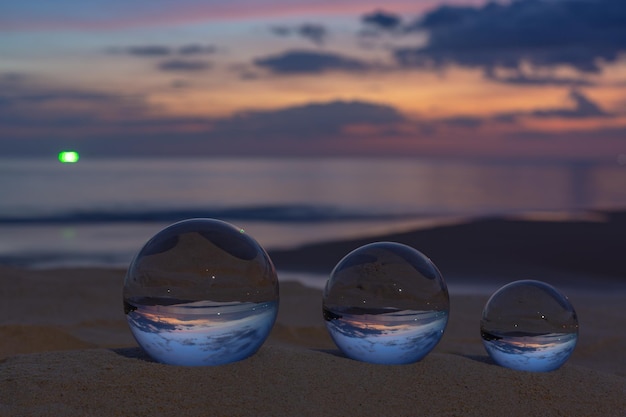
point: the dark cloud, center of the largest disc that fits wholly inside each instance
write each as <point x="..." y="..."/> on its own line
<point x="313" y="32"/>
<point x="546" y="34"/>
<point x="181" y="65"/>
<point x="41" y="119"/>
<point x="56" y="96"/>
<point x="382" y="20"/>
<point x="444" y="16"/>
<point x="583" y="108"/>
<point x="11" y="77"/>
<point x="22" y="90"/>
<point x="462" y="121"/>
<point x="309" y="62"/>
<point x="36" y="118"/>
<point x="317" y="119"/>
<point x="525" y="79"/>
<point x="281" y="30"/>
<point x="195" y="49"/>
<point x="149" y="50"/>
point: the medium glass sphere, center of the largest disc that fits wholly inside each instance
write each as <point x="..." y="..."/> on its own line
<point x="386" y="303"/>
<point x="529" y="326"/>
<point x="201" y="292"/>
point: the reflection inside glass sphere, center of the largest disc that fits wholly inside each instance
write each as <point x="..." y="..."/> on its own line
<point x="529" y="326"/>
<point x="386" y="303"/>
<point x="201" y="292"/>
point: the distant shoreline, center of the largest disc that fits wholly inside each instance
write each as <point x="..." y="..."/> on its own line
<point x="581" y="252"/>
<point x="574" y="252"/>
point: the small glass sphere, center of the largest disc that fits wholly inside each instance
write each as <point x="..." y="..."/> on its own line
<point x="386" y="303"/>
<point x="529" y="326"/>
<point x="201" y="292"/>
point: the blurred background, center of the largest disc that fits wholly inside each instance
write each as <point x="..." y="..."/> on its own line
<point x="302" y="121"/>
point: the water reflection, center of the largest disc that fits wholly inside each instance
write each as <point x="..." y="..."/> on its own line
<point x="541" y="353"/>
<point x="395" y="337"/>
<point x="201" y="333"/>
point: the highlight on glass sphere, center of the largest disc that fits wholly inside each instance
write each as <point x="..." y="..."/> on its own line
<point x="386" y="303"/>
<point x="529" y="326"/>
<point x="201" y="292"/>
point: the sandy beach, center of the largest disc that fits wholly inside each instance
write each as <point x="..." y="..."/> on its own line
<point x="66" y="350"/>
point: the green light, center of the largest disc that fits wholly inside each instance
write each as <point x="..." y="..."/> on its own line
<point x="68" y="157"/>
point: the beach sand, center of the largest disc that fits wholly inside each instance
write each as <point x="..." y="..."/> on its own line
<point x="66" y="350"/>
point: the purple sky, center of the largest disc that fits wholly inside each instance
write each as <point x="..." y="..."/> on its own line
<point x="527" y="78"/>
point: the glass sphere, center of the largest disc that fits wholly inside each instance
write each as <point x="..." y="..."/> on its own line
<point x="386" y="303"/>
<point x="201" y="292"/>
<point x="529" y="326"/>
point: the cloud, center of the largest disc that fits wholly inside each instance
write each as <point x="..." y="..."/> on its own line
<point x="17" y="89"/>
<point x="181" y="65"/>
<point x="461" y="121"/>
<point x="36" y="117"/>
<point x="26" y="98"/>
<point x="39" y="118"/>
<point x="315" y="119"/>
<point x="313" y="32"/>
<point x="52" y="96"/>
<point x="281" y="30"/>
<point x="583" y="108"/>
<point x="310" y="62"/>
<point x="543" y="33"/>
<point x="444" y="16"/>
<point x="196" y="49"/>
<point x="520" y="78"/>
<point x="149" y="50"/>
<point x="382" y="20"/>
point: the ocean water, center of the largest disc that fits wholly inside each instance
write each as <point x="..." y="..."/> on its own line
<point x="101" y="211"/>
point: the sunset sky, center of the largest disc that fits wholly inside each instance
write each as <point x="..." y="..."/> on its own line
<point x="525" y="78"/>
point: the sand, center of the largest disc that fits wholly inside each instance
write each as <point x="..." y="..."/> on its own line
<point x="289" y="381"/>
<point x="66" y="350"/>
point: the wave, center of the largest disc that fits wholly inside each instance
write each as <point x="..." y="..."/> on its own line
<point x="270" y="213"/>
<point x="57" y="259"/>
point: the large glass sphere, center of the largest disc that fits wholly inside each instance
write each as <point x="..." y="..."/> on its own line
<point x="201" y="292"/>
<point x="386" y="303"/>
<point x="529" y="326"/>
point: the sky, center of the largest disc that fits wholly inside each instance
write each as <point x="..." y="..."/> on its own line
<point x="514" y="79"/>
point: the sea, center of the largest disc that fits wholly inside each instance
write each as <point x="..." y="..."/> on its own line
<point x="99" y="212"/>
